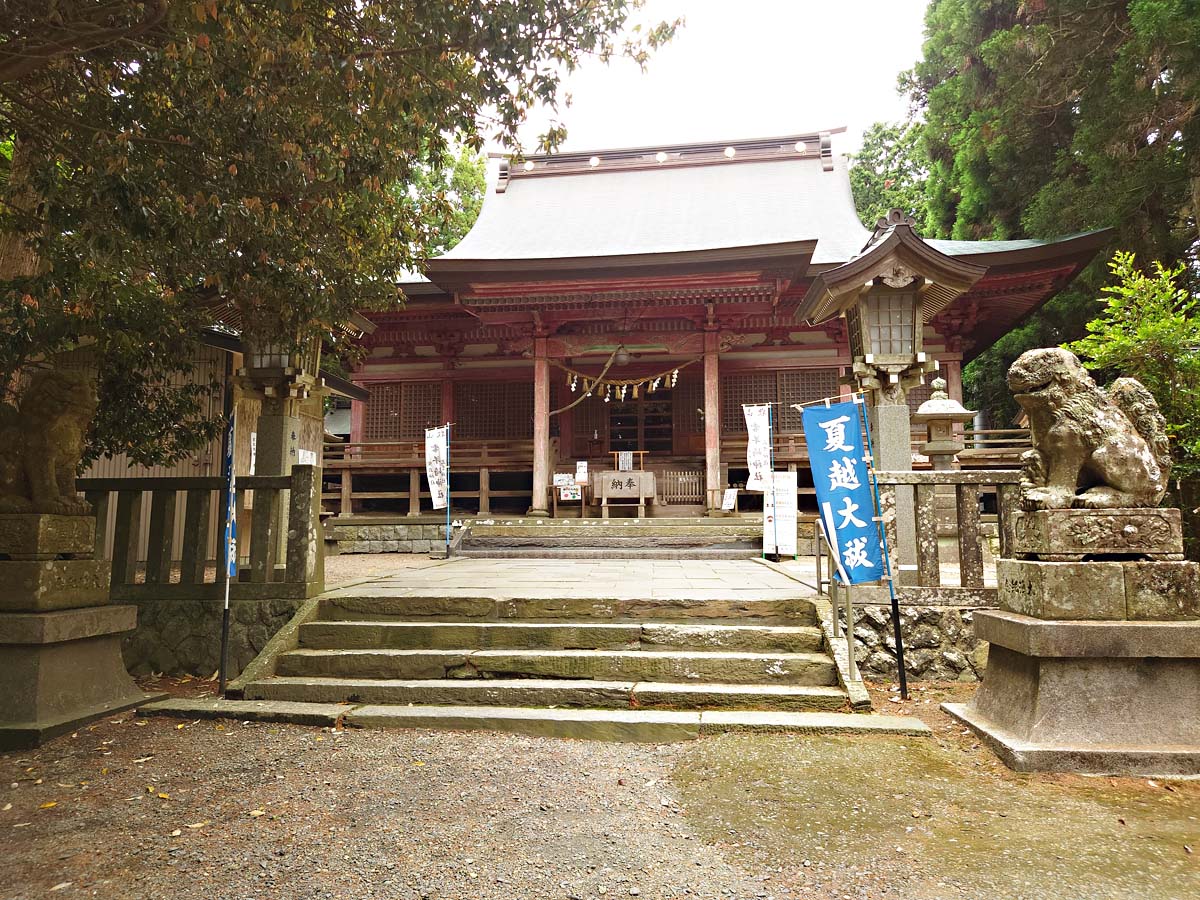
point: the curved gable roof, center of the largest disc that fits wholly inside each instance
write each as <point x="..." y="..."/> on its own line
<point x="696" y="200"/>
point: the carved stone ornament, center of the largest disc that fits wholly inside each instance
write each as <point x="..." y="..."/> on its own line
<point x="1070" y="535"/>
<point x="1092" y="449"/>
<point x="43" y="443"/>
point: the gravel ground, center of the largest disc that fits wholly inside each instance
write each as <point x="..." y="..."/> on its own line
<point x="154" y="808"/>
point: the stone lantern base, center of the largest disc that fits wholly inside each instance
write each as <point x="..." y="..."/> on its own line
<point x="1093" y="665"/>
<point x="60" y="638"/>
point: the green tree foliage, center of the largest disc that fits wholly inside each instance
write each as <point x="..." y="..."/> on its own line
<point x="1150" y="329"/>
<point x="889" y="172"/>
<point x="274" y="162"/>
<point x="1049" y="117"/>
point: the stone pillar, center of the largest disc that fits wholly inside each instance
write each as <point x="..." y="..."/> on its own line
<point x="60" y="638"/>
<point x="893" y="452"/>
<point x="541" y="429"/>
<point x="712" y="422"/>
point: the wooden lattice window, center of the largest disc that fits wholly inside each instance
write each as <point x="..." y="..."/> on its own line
<point x="741" y="388"/>
<point x="493" y="410"/>
<point x="803" y="386"/>
<point x="688" y="399"/>
<point x="782" y="387"/>
<point x="401" y="411"/>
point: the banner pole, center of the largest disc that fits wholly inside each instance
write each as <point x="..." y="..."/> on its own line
<point x="447" y="490"/>
<point x="887" y="564"/>
<point x="229" y="552"/>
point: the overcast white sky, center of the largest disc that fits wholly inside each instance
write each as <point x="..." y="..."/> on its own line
<point x="748" y="68"/>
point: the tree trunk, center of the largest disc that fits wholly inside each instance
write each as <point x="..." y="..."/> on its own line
<point x="18" y="259"/>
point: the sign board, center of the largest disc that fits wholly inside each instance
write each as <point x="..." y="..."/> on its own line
<point x="436" y="452"/>
<point x="729" y="500"/>
<point x="625" y="461"/>
<point x="561" y="479"/>
<point x="845" y="502"/>
<point x="758" y="445"/>
<point x="628" y="484"/>
<point x="306" y="457"/>
<point x="253" y="450"/>
<point x="779" y="514"/>
<point x="581" y="471"/>
<point x="570" y="492"/>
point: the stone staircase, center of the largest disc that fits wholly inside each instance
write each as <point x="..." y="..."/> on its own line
<point x="634" y="669"/>
<point x="656" y="538"/>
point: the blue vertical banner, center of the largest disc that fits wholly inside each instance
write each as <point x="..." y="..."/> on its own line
<point x="229" y="556"/>
<point x="845" y="501"/>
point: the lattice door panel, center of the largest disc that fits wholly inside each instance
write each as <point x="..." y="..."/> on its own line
<point x="749" y="387"/>
<point x="688" y="399"/>
<point x="420" y="408"/>
<point x="803" y="386"/>
<point x="381" y="418"/>
<point x="480" y="410"/>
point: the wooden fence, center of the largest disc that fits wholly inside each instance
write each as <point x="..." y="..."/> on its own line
<point x="279" y="538"/>
<point x="346" y="464"/>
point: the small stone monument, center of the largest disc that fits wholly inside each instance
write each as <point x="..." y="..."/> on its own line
<point x="1094" y="664"/>
<point x="60" y="638"/>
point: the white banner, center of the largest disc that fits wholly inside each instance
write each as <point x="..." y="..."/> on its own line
<point x="436" y="453"/>
<point x="758" y="445"/>
<point x="779" y="514"/>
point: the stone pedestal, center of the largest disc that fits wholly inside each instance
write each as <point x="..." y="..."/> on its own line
<point x="1094" y="665"/>
<point x="60" y="638"/>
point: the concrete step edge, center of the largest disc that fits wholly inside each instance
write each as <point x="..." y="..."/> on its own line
<point x="630" y="725"/>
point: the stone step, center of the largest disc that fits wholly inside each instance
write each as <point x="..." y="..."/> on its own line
<point x="366" y="603"/>
<point x="606" y="665"/>
<point x="595" y="724"/>
<point x="361" y="635"/>
<point x="547" y="693"/>
<point x="580" y="539"/>
<point x="668" y="553"/>
<point x="638" y="532"/>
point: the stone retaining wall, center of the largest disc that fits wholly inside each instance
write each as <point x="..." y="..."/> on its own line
<point x="183" y="637"/>
<point x="939" y="643"/>
<point x="414" y="538"/>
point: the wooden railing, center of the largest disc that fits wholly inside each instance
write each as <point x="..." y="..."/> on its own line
<point x="677" y="487"/>
<point x="997" y="448"/>
<point x="279" y="541"/>
<point x="344" y="462"/>
<point x="968" y="487"/>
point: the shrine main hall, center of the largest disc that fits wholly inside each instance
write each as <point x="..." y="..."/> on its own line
<point x="635" y="299"/>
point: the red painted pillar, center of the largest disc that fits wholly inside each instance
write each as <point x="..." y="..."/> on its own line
<point x="541" y="429"/>
<point x="448" y="402"/>
<point x="712" y="421"/>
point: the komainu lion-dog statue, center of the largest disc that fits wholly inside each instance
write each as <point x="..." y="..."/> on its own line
<point x="1092" y="449"/>
<point x="42" y="443"/>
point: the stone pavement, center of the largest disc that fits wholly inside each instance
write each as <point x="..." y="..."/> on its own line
<point x="571" y="579"/>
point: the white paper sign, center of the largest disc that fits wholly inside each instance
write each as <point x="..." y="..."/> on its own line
<point x="779" y="514"/>
<point x="306" y="457"/>
<point x="253" y="450"/>
<point x="562" y="479"/>
<point x="436" y="452"/>
<point x="625" y="461"/>
<point x="581" y="471"/>
<point x="729" y="501"/>
<point x="758" y="445"/>
<point x="570" y="492"/>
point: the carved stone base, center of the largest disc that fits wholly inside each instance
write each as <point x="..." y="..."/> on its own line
<point x="42" y="536"/>
<point x="1135" y="590"/>
<point x="1097" y="697"/>
<point x="1070" y="535"/>
<point x="61" y="669"/>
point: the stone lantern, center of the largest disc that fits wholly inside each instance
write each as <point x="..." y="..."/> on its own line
<point x="939" y="414"/>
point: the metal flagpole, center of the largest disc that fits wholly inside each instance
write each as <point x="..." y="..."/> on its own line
<point x="774" y="501"/>
<point x="448" y="490"/>
<point x="229" y="553"/>
<point x="887" y="564"/>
